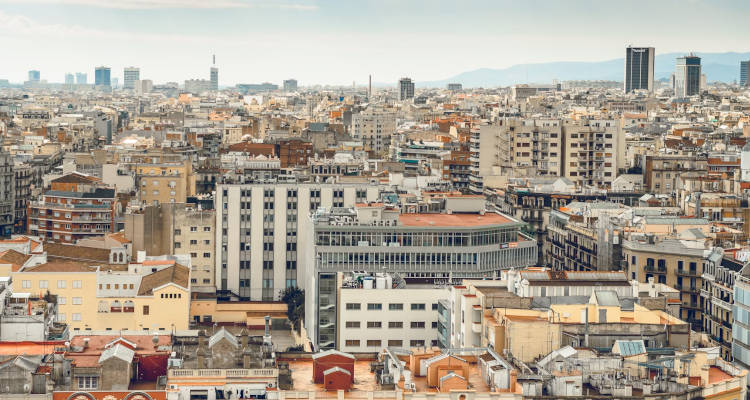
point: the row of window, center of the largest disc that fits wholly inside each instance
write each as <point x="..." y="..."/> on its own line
<point x="178" y="232"/>
<point x="391" y="324"/>
<point x="44" y="284"/>
<point x="391" y="343"/>
<point x="391" y="306"/>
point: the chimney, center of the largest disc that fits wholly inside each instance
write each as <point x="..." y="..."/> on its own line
<point x="201" y="357"/>
<point x="202" y="339"/>
<point x="513" y="380"/>
<point x="86" y="343"/>
<point x="244" y="338"/>
<point x="267" y="335"/>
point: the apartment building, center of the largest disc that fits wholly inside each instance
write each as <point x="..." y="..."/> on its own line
<point x="162" y="183"/>
<point x="375" y="313"/>
<point x="177" y="228"/>
<point x="717" y="293"/>
<point x="7" y="194"/>
<point x="258" y="229"/>
<point x="76" y="207"/>
<point x="149" y="295"/>
<point x="374" y="129"/>
<point x="419" y="248"/>
<point x="586" y="151"/>
<point x="585" y="236"/>
<point x="661" y="173"/>
<point x="741" y="319"/>
<point x="677" y="263"/>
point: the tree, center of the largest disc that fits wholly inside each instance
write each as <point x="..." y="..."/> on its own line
<point x="294" y="298"/>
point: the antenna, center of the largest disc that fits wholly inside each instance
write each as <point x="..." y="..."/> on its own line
<point x="214" y="59"/>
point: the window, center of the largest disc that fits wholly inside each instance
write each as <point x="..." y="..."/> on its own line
<point x="353" y="306"/>
<point x="43" y="284"/>
<point x="434" y="306"/>
<point x="352" y="324"/>
<point x="206" y="229"/>
<point x="206" y="255"/>
<point x="76" y="284"/>
<point x="145" y="310"/>
<point x="374" y="324"/>
<point x="373" y="343"/>
<point x="26" y="284"/>
<point x="76" y="316"/>
<point x="417" y="325"/>
<point x="77" y="301"/>
<point x="61" y="284"/>
<point x="416" y="343"/>
<point x="395" y="325"/>
<point x="193" y="229"/>
<point x="395" y="343"/>
<point x="374" y="306"/>
<point x="396" y="306"/>
<point x="60" y="317"/>
<point x="417" y="306"/>
<point x="352" y="343"/>
<point x="61" y="300"/>
<point x="434" y="325"/>
<point x="88" y="382"/>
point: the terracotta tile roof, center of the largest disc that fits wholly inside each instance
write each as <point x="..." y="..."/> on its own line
<point x="76" y="253"/>
<point x="54" y="266"/>
<point x="75" y="178"/>
<point x="14" y="258"/>
<point x="176" y="274"/>
<point x="120" y="237"/>
<point x="158" y="262"/>
<point x="452" y="220"/>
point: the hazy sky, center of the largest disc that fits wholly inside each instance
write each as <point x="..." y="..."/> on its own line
<point x="338" y="41"/>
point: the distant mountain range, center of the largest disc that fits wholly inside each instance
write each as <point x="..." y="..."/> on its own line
<point x="723" y="67"/>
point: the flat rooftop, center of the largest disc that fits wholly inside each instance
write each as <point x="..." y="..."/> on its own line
<point x="453" y="220"/>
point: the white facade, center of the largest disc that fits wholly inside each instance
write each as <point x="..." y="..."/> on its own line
<point x="372" y="319"/>
<point x="258" y="227"/>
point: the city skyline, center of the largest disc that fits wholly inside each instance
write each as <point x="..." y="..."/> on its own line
<point x="307" y="33"/>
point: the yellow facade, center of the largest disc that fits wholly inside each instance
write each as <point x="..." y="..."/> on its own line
<point x="81" y="308"/>
<point x="165" y="183"/>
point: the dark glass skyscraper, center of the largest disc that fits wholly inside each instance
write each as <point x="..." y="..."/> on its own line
<point x="687" y="76"/>
<point x="744" y="73"/>
<point x="101" y="76"/>
<point x="639" y="69"/>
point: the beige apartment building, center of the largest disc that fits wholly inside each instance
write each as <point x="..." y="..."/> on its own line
<point x="674" y="263"/>
<point x="586" y="151"/>
<point x="177" y="229"/>
<point x="153" y="295"/>
<point x="163" y="183"/>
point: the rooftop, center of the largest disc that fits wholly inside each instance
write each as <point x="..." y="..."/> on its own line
<point x="453" y="220"/>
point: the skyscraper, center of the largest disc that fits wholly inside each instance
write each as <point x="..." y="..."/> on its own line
<point x="81" y="78"/>
<point x="744" y="73"/>
<point x="69" y="79"/>
<point x="214" y="78"/>
<point x="687" y="76"/>
<point x="405" y="89"/>
<point x="639" y="69"/>
<point x="101" y="76"/>
<point x="290" y="85"/>
<point x="130" y="76"/>
<point x="34" y="76"/>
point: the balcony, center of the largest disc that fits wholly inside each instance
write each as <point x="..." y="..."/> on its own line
<point x="691" y="272"/>
<point x="655" y="270"/>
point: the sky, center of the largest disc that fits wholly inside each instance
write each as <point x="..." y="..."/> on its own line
<point x="339" y="42"/>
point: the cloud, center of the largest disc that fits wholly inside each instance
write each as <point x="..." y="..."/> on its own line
<point x="170" y="4"/>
